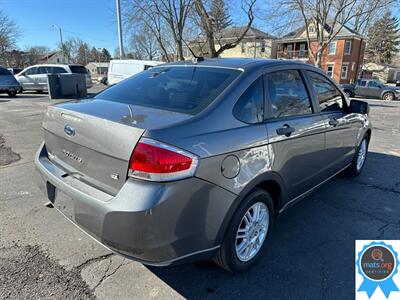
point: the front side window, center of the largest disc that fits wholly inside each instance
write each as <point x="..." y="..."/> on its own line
<point x="332" y="48"/>
<point x="180" y="89"/>
<point x="250" y="106"/>
<point x="31" y="71"/>
<point x="287" y="94"/>
<point x="372" y="84"/>
<point x="329" y="97"/>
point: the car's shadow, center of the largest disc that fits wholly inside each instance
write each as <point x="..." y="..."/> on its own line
<point x="311" y="253"/>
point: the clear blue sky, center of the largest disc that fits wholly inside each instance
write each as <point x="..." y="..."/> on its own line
<point x="94" y="21"/>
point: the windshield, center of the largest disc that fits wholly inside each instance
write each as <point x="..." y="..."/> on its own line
<point x="181" y="89"/>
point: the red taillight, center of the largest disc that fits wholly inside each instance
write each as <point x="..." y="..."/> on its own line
<point x="152" y="160"/>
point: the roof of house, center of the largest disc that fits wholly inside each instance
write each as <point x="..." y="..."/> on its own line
<point x="252" y="33"/>
<point x="49" y="55"/>
<point x="344" y="31"/>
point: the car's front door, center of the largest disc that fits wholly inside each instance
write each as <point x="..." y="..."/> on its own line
<point x="27" y="79"/>
<point x="341" y="126"/>
<point x="295" y="131"/>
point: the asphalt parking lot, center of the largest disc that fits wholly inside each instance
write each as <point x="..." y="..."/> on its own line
<point x="311" y="254"/>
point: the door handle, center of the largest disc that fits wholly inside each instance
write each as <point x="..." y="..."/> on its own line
<point x="286" y="130"/>
<point x="333" y="122"/>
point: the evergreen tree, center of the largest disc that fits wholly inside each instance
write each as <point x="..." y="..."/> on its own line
<point x="383" y="40"/>
<point x="83" y="54"/>
<point x="105" y="55"/>
<point x="220" y="15"/>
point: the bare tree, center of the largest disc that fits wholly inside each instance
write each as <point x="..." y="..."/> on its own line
<point x="212" y="37"/>
<point x="165" y="19"/>
<point x="328" y="18"/>
<point x="8" y="35"/>
<point x="144" y="44"/>
<point x="35" y="53"/>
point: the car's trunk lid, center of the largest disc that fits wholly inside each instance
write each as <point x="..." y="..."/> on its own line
<point x="93" y="139"/>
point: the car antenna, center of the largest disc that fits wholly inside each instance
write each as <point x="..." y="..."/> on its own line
<point x="196" y="59"/>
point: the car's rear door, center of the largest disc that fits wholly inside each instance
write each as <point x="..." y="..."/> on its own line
<point x="341" y="126"/>
<point x="295" y="131"/>
<point x="41" y="77"/>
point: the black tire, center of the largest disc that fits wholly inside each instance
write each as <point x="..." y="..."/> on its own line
<point x="20" y="91"/>
<point x="354" y="170"/>
<point x="388" y="96"/>
<point x="227" y="257"/>
<point x="39" y="91"/>
<point x="12" y="94"/>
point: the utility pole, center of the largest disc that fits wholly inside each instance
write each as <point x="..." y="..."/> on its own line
<point x="61" y="39"/>
<point x="121" y="46"/>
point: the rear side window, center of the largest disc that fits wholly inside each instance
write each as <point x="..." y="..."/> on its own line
<point x="250" y="106"/>
<point x="78" y="69"/>
<point x="59" y="70"/>
<point x="44" y="70"/>
<point x="4" y="72"/>
<point x="181" y="89"/>
<point x="287" y="94"/>
<point x="329" y="97"/>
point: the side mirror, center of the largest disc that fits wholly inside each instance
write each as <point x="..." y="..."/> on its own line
<point x="359" y="107"/>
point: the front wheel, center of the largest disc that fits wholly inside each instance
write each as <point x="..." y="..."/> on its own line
<point x="359" y="159"/>
<point x="12" y="94"/>
<point x="388" y="97"/>
<point x="248" y="232"/>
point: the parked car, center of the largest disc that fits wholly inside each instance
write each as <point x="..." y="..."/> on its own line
<point x="34" y="78"/>
<point x="14" y="71"/>
<point x="8" y="84"/>
<point x="195" y="160"/>
<point x="122" y="69"/>
<point x="371" y="88"/>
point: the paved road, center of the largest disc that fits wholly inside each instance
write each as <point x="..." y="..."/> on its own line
<point x="310" y="256"/>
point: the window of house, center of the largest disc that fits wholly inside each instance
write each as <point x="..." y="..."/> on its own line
<point x="262" y="46"/>
<point x="345" y="69"/>
<point x="329" y="70"/>
<point x="302" y="49"/>
<point x="287" y="94"/>
<point x="311" y="29"/>
<point x="332" y="48"/>
<point x="242" y="47"/>
<point x="250" y="106"/>
<point x="289" y="48"/>
<point x="347" y="47"/>
<point x="329" y="97"/>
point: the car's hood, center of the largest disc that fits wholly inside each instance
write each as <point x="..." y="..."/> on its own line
<point x="6" y="80"/>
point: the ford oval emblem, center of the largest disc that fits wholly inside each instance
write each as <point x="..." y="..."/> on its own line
<point x="69" y="130"/>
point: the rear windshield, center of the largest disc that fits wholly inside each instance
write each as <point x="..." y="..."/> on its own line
<point x="181" y="89"/>
<point x="78" y="69"/>
<point x="4" y="72"/>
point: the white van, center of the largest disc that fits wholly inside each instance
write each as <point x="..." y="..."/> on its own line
<point x="122" y="69"/>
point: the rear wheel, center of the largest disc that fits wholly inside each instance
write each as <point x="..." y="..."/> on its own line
<point x="246" y="236"/>
<point x="12" y="94"/>
<point x="388" y="96"/>
<point x="359" y="158"/>
<point x="39" y="91"/>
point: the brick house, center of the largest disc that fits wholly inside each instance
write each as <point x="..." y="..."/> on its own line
<point x="342" y="59"/>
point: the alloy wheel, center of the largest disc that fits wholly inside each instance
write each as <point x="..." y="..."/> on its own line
<point x="362" y="152"/>
<point x="252" y="231"/>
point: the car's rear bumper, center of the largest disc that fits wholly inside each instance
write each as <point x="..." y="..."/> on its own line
<point x="155" y="223"/>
